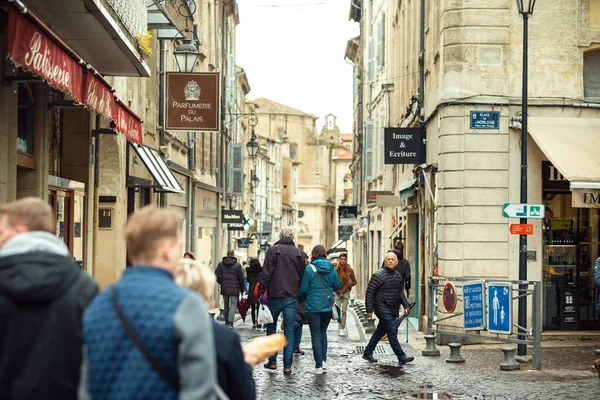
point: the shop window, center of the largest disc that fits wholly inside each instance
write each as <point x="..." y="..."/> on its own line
<point x="591" y="75"/>
<point x="25" y="119"/>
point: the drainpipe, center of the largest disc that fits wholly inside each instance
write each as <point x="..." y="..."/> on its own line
<point x="96" y="192"/>
<point x="422" y="84"/>
<point x="161" y="105"/>
<point x="192" y="192"/>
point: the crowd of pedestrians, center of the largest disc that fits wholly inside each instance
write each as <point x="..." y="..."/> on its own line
<point x="149" y="335"/>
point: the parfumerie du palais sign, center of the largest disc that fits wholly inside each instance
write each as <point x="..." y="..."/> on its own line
<point x="402" y="145"/>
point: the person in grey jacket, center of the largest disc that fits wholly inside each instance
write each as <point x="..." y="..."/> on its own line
<point x="43" y="294"/>
<point x="171" y="324"/>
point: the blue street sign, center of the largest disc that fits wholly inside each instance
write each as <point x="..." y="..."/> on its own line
<point x="485" y="120"/>
<point x="499" y="302"/>
<point x="474" y="305"/>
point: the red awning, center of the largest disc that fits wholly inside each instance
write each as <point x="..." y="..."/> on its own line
<point x="128" y="124"/>
<point x="36" y="49"/>
<point x="98" y="97"/>
<point x="32" y="50"/>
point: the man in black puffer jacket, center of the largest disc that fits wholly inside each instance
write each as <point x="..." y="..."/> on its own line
<point x="230" y="277"/>
<point x="384" y="296"/>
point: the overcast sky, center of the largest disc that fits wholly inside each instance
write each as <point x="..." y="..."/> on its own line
<point x="293" y="53"/>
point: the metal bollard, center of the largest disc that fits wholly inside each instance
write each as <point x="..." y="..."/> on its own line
<point x="597" y="351"/>
<point x="430" y="349"/>
<point x="509" y="364"/>
<point x="369" y="325"/>
<point x="455" y="356"/>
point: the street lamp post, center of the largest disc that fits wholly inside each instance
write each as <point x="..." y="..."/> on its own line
<point x="525" y="8"/>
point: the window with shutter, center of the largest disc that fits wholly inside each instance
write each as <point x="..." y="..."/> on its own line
<point x="382" y="41"/>
<point x="237" y="167"/>
<point x="369" y="65"/>
<point x="368" y="150"/>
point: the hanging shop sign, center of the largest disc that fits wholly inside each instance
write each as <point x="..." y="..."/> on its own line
<point x="347" y="215"/>
<point x="585" y="198"/>
<point x="192" y="102"/>
<point x="345" y="232"/>
<point x="232" y="217"/>
<point x="35" y="52"/>
<point x="402" y="145"/>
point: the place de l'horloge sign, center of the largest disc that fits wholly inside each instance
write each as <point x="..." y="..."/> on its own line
<point x="402" y="145"/>
<point x="192" y="102"/>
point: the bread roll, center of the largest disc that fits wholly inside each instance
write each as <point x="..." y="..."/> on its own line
<point x="263" y="347"/>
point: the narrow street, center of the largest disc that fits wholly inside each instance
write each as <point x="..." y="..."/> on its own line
<point x="348" y="376"/>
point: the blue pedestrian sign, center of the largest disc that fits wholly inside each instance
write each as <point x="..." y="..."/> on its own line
<point x="474" y="305"/>
<point x="499" y="303"/>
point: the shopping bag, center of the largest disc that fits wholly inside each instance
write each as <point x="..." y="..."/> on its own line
<point x="264" y="315"/>
<point x="336" y="313"/>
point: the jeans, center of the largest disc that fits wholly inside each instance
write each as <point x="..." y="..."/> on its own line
<point x="386" y="326"/>
<point x="342" y="301"/>
<point x="229" y="305"/>
<point x="286" y="306"/>
<point x="318" y="323"/>
<point x="297" y="333"/>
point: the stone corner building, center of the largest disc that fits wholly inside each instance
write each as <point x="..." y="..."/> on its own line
<point x="449" y="208"/>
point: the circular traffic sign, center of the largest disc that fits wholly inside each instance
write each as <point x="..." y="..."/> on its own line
<point x="449" y="296"/>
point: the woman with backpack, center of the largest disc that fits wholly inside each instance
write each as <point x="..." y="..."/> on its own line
<point x="253" y="274"/>
<point x="318" y="284"/>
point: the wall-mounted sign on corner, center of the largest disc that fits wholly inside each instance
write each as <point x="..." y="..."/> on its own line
<point x="485" y="120"/>
<point x="402" y="145"/>
<point x="192" y="102"/>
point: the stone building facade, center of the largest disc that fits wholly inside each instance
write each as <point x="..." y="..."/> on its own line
<point x="450" y="206"/>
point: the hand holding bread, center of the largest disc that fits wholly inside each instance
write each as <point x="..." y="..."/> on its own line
<point x="262" y="347"/>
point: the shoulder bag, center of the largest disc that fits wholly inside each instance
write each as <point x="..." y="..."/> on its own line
<point x="336" y="313"/>
<point x="164" y="373"/>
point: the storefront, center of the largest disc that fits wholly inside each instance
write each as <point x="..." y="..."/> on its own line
<point x="571" y="234"/>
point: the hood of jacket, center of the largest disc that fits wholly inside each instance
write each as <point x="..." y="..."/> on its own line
<point x="285" y="241"/>
<point x="324" y="267"/>
<point x="229" y="261"/>
<point x="35" y="267"/>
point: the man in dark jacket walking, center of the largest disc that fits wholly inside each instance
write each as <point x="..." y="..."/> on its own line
<point x="281" y="275"/>
<point x="403" y="265"/>
<point x="230" y="277"/>
<point x="384" y="296"/>
<point x="43" y="294"/>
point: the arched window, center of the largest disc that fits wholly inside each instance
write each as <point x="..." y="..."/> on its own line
<point x="591" y="74"/>
<point x="25" y="114"/>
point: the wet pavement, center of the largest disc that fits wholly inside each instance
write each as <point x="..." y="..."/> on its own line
<point x="565" y="372"/>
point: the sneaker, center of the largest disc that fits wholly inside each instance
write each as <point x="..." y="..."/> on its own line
<point x="406" y="359"/>
<point x="298" y="351"/>
<point x="343" y="332"/>
<point x="287" y="371"/>
<point x="324" y="365"/>
<point x="369" y="358"/>
<point x="319" y="371"/>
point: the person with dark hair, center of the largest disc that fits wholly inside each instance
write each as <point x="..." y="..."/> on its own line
<point x="319" y="282"/>
<point x="253" y="272"/>
<point x="230" y="277"/>
<point x="280" y="278"/>
<point x="190" y="255"/>
<point x="342" y="296"/>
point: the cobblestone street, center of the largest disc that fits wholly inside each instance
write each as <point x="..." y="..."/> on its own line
<point x="350" y="377"/>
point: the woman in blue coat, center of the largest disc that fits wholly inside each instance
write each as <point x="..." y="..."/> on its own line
<point x="318" y="298"/>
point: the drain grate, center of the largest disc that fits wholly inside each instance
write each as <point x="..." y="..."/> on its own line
<point x="379" y="349"/>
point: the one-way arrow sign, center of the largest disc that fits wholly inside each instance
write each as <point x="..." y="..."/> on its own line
<point x="517" y="210"/>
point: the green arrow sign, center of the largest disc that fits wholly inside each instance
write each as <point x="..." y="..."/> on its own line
<point x="519" y="210"/>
